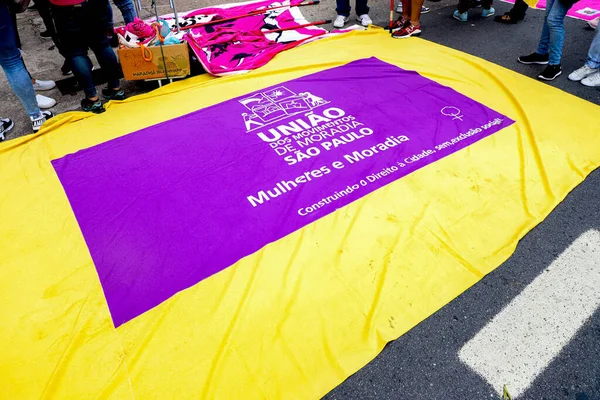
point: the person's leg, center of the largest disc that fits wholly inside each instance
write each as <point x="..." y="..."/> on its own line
<point x="463" y="6"/>
<point x="415" y="12"/>
<point x="594" y="52"/>
<point x="519" y="9"/>
<point x="406" y="9"/>
<point x="544" y="45"/>
<point x="12" y="64"/>
<point x="556" y="31"/>
<point x="70" y="23"/>
<point x="129" y="13"/>
<point x="43" y="7"/>
<point x="343" y="7"/>
<point x="361" y="7"/>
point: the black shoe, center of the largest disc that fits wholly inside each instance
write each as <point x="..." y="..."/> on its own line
<point x="534" y="58"/>
<point x="92" y="106"/>
<point x="6" y="124"/>
<point x="46" y="34"/>
<point x="550" y="73"/>
<point x="114" y="41"/>
<point x="66" y="68"/>
<point x="112" y="94"/>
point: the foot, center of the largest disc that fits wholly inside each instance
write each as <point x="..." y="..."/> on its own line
<point x="94" y="106"/>
<point x="462" y="17"/>
<point x="506" y="18"/>
<point x="45" y="35"/>
<point x="424" y="10"/>
<point x="66" y="68"/>
<point x="594" y="23"/>
<point x="534" y="58"/>
<point x="44" y="102"/>
<point x="43" y="85"/>
<point x="407" y="31"/>
<point x="488" y="12"/>
<point x="340" y="21"/>
<point x="6" y="124"/>
<point x="592" y="80"/>
<point x="582" y="73"/>
<point x="550" y="73"/>
<point x="364" y="20"/>
<point x="36" y="123"/>
<point x="400" y="23"/>
<point x="113" y="94"/>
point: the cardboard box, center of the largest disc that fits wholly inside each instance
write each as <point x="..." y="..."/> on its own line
<point x="136" y="68"/>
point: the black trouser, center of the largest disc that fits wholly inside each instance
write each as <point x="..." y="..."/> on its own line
<point x="518" y="10"/>
<point x="464" y="5"/>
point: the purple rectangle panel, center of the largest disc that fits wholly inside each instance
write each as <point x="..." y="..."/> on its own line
<point x="165" y="207"/>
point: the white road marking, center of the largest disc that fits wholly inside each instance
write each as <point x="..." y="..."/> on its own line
<point x="521" y="341"/>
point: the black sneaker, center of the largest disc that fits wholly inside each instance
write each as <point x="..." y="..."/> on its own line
<point x="112" y="94"/>
<point x="66" y="68"/>
<point x="46" y="34"/>
<point x="36" y="123"/>
<point x="6" y="124"/>
<point x="92" y="106"/>
<point x="550" y="73"/>
<point x="534" y="58"/>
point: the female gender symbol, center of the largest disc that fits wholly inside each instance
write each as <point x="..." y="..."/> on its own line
<point x="451" y="111"/>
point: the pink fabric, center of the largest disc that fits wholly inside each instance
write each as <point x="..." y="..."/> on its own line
<point x="586" y="10"/>
<point x="241" y="45"/>
<point x="140" y="28"/>
<point x="65" y="2"/>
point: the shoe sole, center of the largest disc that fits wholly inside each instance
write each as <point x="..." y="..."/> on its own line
<point x="43" y="89"/>
<point x="406" y="37"/>
<point x="44" y="107"/>
<point x="588" y="84"/>
<point x="489" y="15"/>
<point x="543" y="78"/>
<point x="458" y="19"/>
<point x="532" y="62"/>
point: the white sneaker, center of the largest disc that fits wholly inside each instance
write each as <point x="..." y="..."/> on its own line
<point x="592" y="80"/>
<point x="6" y="124"/>
<point x="36" y="123"/>
<point x="44" y="102"/>
<point x="364" y="20"/>
<point x="340" y="21"/>
<point x="424" y="10"/>
<point x="581" y="73"/>
<point x="43" y="85"/>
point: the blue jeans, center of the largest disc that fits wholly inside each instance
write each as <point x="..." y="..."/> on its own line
<point x="343" y="7"/>
<point x="127" y="10"/>
<point x="13" y="66"/>
<point x="594" y="53"/>
<point x="553" y="31"/>
<point x="82" y="28"/>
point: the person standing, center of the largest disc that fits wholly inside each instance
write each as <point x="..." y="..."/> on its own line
<point x="82" y="25"/>
<point x="343" y="13"/>
<point x="549" y="51"/>
<point x="16" y="73"/>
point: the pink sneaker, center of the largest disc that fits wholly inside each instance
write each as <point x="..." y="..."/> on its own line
<point x="400" y="23"/>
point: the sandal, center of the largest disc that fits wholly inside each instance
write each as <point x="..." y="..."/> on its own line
<point x="506" y="19"/>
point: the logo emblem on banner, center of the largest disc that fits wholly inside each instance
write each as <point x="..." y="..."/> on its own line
<point x="276" y="104"/>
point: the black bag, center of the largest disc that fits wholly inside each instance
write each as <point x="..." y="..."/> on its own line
<point x="18" y="6"/>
